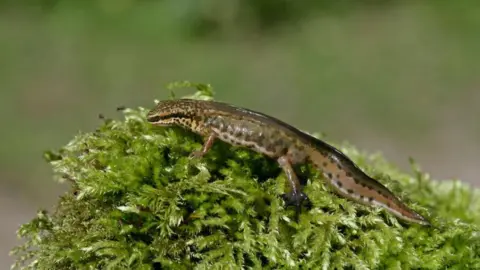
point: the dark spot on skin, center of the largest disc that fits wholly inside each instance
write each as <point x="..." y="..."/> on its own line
<point x="267" y="144"/>
<point x="329" y="175"/>
<point x="338" y="175"/>
<point x="339" y="166"/>
<point x="339" y="184"/>
<point x="242" y="137"/>
<point x="349" y="174"/>
<point x="238" y="132"/>
<point x="279" y="144"/>
<point x="325" y="164"/>
<point x="198" y="118"/>
<point x="281" y="150"/>
<point x="363" y="184"/>
<point x="350" y="191"/>
<point x="270" y="147"/>
<point x="370" y="199"/>
<point x="388" y="204"/>
<point x="369" y="187"/>
<point x="356" y="180"/>
<point x="361" y="197"/>
<point x="300" y="147"/>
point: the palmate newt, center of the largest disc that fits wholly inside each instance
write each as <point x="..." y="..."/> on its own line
<point x="282" y="142"/>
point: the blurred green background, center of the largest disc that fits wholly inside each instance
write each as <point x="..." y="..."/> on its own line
<point x="396" y="77"/>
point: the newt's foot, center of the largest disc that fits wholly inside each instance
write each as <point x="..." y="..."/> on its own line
<point x="296" y="199"/>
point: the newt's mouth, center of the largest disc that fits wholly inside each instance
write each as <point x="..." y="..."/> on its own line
<point x="154" y="118"/>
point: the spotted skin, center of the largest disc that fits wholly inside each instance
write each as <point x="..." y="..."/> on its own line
<point x="282" y="142"/>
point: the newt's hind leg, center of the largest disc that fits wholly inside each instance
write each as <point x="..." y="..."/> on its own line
<point x="295" y="196"/>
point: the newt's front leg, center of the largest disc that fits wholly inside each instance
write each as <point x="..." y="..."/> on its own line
<point x="206" y="146"/>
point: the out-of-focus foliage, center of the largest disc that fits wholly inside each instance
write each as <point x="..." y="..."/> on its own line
<point x="138" y="202"/>
<point x="209" y="16"/>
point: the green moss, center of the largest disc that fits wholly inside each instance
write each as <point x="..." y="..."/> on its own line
<point x="138" y="202"/>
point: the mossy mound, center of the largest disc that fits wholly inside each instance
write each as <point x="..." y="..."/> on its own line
<point x="138" y="202"/>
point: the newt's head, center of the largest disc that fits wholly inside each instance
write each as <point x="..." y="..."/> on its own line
<point x="173" y="112"/>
